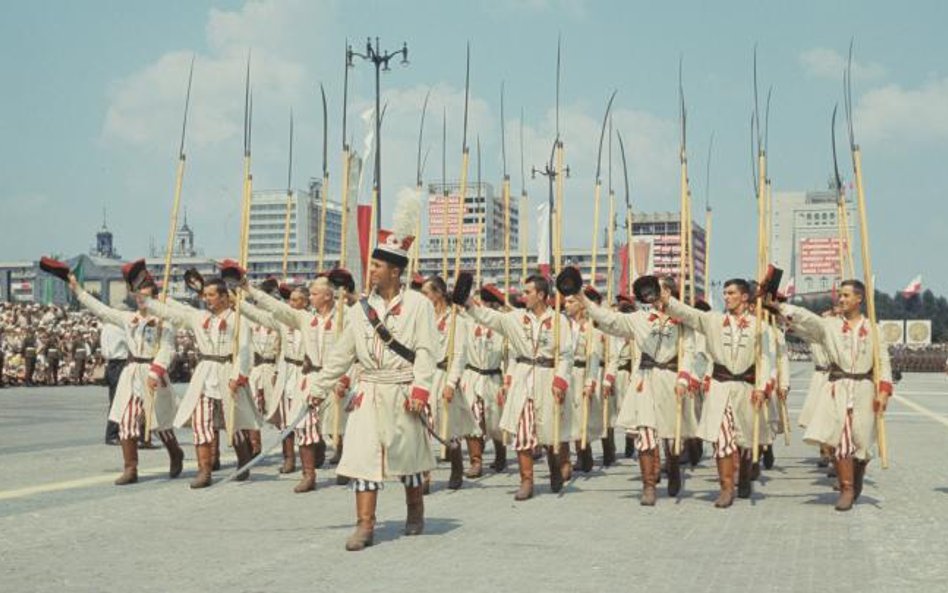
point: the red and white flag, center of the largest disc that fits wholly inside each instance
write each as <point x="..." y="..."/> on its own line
<point x="914" y="287"/>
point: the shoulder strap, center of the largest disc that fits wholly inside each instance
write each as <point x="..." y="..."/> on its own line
<point x="383" y="333"/>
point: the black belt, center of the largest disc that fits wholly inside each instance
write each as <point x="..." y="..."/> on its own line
<point x="118" y="361"/>
<point x="836" y="373"/>
<point x="579" y="364"/>
<point x="258" y="360"/>
<point x="821" y="369"/>
<point x="443" y="365"/>
<point x="293" y="361"/>
<point x="485" y="372"/>
<point x="721" y="373"/>
<point x="221" y="358"/>
<point x="625" y="366"/>
<point x="546" y="363"/>
<point x="136" y="360"/>
<point x="646" y="362"/>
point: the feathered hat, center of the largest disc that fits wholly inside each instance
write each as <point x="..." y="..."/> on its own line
<point x="393" y="245"/>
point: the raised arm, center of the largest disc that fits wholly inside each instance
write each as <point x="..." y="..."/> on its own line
<point x="101" y="310"/>
<point x="611" y="322"/>
<point x="693" y="318"/>
<point x="281" y="311"/>
<point x="488" y="318"/>
<point x="259" y="316"/>
<point x="808" y="325"/>
<point x="178" y="313"/>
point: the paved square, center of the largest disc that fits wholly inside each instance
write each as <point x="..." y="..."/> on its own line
<point x="65" y="527"/>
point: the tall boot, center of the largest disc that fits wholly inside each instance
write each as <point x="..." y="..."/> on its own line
<point x="289" y="457"/>
<point x="744" y="472"/>
<point x="587" y="458"/>
<point x="566" y="469"/>
<point x="320" y="453"/>
<point x="205" y="461"/>
<point x="695" y="448"/>
<point x="609" y="448"/>
<point x="859" y="472"/>
<point x="456" y="478"/>
<point x="256" y="444"/>
<point x="525" y="461"/>
<point x="337" y="451"/>
<point x="824" y="460"/>
<point x="216" y="456"/>
<point x="769" y="457"/>
<point x="500" y="456"/>
<point x="556" y="468"/>
<point x="674" y="472"/>
<point x="475" y="449"/>
<point x="130" y="458"/>
<point x="844" y="469"/>
<point x="726" y="479"/>
<point x="365" y="521"/>
<point x="580" y="462"/>
<point x="175" y="454"/>
<point x="308" y="460"/>
<point x="648" y="460"/>
<point x="629" y="446"/>
<point x="242" y="449"/>
<point x="415" y="501"/>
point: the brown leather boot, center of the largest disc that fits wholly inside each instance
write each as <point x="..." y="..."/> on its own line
<point x="525" y="461"/>
<point x="425" y="483"/>
<point x="726" y="479"/>
<point x="205" y="461"/>
<point x="365" y="521"/>
<point x="844" y="469"/>
<point x="648" y="460"/>
<point x="556" y="469"/>
<point x="216" y="456"/>
<point x="475" y="449"/>
<point x="859" y="472"/>
<point x="609" y="448"/>
<point x="744" y="488"/>
<point x="256" y="444"/>
<point x="242" y="449"/>
<point x="674" y="472"/>
<point x="566" y="469"/>
<point x="500" y="456"/>
<point x="415" y="501"/>
<point x="289" y="457"/>
<point x="320" y="453"/>
<point x="307" y="481"/>
<point x="175" y="454"/>
<point x="578" y="466"/>
<point x="456" y="478"/>
<point x="130" y="458"/>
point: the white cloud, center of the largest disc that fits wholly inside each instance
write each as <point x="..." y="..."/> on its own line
<point x="894" y="116"/>
<point x="822" y="62"/>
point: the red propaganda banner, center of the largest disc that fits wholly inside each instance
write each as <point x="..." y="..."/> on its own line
<point x="819" y="256"/>
<point x="364" y="218"/>
<point x="444" y="212"/>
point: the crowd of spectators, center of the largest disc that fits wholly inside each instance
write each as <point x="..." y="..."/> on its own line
<point x="51" y="345"/>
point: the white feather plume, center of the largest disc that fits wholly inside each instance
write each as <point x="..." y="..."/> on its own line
<point x="407" y="210"/>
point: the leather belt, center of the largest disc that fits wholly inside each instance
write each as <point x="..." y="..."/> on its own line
<point x="258" y="360"/>
<point x="443" y="365"/>
<point x="485" y="372"/>
<point x="579" y="364"/>
<point x="293" y="361"/>
<point x="544" y="362"/>
<point x="821" y="368"/>
<point x="646" y="362"/>
<point x="137" y="360"/>
<point x="836" y="373"/>
<point x="220" y="358"/>
<point x="625" y="366"/>
<point x="721" y="373"/>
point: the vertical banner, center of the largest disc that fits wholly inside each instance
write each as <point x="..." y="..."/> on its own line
<point x="364" y="215"/>
<point x="543" y="239"/>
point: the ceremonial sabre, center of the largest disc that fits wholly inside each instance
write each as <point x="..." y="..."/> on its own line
<point x="682" y="244"/>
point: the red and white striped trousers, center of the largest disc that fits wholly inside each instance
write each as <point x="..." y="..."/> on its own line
<point x="646" y="439"/>
<point x="207" y="419"/>
<point x="132" y="417"/>
<point x="307" y="431"/>
<point x="725" y="445"/>
<point x="846" y="446"/>
<point x="526" y="437"/>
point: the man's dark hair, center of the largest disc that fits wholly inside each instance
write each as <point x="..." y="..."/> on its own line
<point x="540" y="283"/>
<point x="857" y="286"/>
<point x="438" y="284"/>
<point x="669" y="283"/>
<point x="219" y="285"/>
<point x="741" y="284"/>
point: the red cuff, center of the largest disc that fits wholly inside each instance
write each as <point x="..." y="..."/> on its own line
<point x="885" y="387"/>
<point x="610" y="379"/>
<point x="345" y="381"/>
<point x="693" y="384"/>
<point x="560" y="383"/>
<point x="158" y="370"/>
<point x="242" y="380"/>
<point x="508" y="379"/>
<point x="419" y="394"/>
<point x="684" y="375"/>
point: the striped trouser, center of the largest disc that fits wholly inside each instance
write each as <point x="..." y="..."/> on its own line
<point x="261" y="401"/>
<point x="846" y="446"/>
<point x="646" y="439"/>
<point x="410" y="481"/>
<point x="207" y="419"/>
<point x="132" y="417"/>
<point x="307" y="431"/>
<point x="477" y="408"/>
<point x="526" y="437"/>
<point x="726" y="444"/>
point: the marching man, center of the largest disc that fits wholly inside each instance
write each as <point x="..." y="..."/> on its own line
<point x="844" y="413"/>
<point x="220" y="379"/>
<point x="392" y="335"/>
<point x="537" y="389"/>
<point x="144" y="378"/>
<point x="584" y="384"/>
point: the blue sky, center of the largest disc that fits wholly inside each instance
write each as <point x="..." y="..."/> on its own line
<point x="93" y="93"/>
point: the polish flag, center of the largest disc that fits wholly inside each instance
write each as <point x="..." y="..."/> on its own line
<point x="914" y="287"/>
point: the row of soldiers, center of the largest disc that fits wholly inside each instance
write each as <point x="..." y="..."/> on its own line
<point x="389" y="375"/>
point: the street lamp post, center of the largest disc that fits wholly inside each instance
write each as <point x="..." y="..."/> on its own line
<point x="549" y="171"/>
<point x="374" y="54"/>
